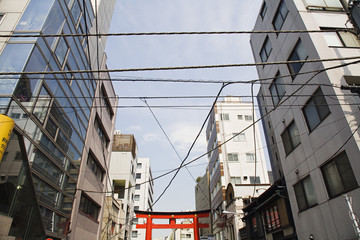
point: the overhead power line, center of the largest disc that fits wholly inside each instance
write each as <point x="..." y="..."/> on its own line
<point x="182" y="67"/>
<point x="22" y="35"/>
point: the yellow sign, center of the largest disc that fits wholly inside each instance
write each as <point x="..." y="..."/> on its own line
<point x="6" y="127"/>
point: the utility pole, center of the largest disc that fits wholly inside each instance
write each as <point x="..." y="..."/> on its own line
<point x="353" y="216"/>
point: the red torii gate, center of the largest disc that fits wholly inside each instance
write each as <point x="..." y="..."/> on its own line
<point x="172" y="216"/>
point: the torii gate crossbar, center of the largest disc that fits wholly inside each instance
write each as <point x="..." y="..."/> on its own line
<point x="172" y="216"/>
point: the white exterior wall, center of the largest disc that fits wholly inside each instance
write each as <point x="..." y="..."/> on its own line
<point x="145" y="192"/>
<point x="328" y="219"/>
<point x="121" y="166"/>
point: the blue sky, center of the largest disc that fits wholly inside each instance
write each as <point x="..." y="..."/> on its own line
<point x="181" y="125"/>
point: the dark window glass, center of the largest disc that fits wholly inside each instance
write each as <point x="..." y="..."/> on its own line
<point x="297" y="54"/>
<point x="99" y="129"/>
<point x="265" y="50"/>
<point x="42" y="104"/>
<point x="61" y="50"/>
<point x="277" y="89"/>
<point x="263" y="10"/>
<point x="339" y="176"/>
<point x="280" y="16"/>
<point x="254" y="180"/>
<point x="138" y="175"/>
<point x="105" y="102"/>
<point x="316" y="109"/>
<point x="95" y="167"/>
<point x="89" y="207"/>
<point x="290" y="138"/>
<point x="305" y="194"/>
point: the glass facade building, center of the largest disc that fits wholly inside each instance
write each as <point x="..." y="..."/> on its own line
<point x="61" y="106"/>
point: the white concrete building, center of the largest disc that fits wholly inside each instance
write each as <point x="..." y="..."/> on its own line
<point x="310" y="122"/>
<point x="202" y="201"/>
<point x="122" y="174"/>
<point x="235" y="176"/>
<point x="143" y="198"/>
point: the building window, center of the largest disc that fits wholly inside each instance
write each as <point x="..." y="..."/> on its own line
<point x="250" y="157"/>
<point x="239" y="137"/>
<point x="240" y="117"/>
<point x="139" y="165"/>
<point x="1" y="16"/>
<point x="248" y="118"/>
<point x="137" y="197"/>
<point x="138" y="175"/>
<point x="235" y="180"/>
<point x="277" y="89"/>
<point x="135" y="221"/>
<point x="95" y="167"/>
<point x="316" y="109"/>
<point x="271" y="217"/>
<point x="134" y="234"/>
<point x="89" y="207"/>
<point x="265" y="50"/>
<point x="137" y="186"/>
<point x="280" y="16"/>
<point x="298" y="54"/>
<point x="136" y="207"/>
<point x="338" y="175"/>
<point x="305" y="194"/>
<point x="225" y="116"/>
<point x="254" y="180"/>
<point x="61" y="50"/>
<point x="290" y="138"/>
<point x="323" y="4"/>
<point x="100" y="130"/>
<point x="105" y="102"/>
<point x="263" y="10"/>
<point x="233" y="157"/>
<point x="341" y="39"/>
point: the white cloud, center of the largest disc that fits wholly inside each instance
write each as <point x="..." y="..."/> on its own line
<point x="151" y="137"/>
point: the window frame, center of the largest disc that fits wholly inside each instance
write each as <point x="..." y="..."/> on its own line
<point x="293" y="145"/>
<point x="88" y="204"/>
<point x="263" y="10"/>
<point x="321" y="108"/>
<point x="96" y="167"/>
<point x="232" y="156"/>
<point x="295" y="55"/>
<point x="266" y="50"/>
<point x="138" y="176"/>
<point x="279" y="15"/>
<point x="343" y="158"/>
<point x="277" y="84"/>
<point x="300" y="185"/>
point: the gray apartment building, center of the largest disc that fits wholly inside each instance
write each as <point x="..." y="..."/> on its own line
<point x="65" y="112"/>
<point x="311" y="123"/>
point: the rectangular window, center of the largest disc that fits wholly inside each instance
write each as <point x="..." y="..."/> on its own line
<point x="134" y="234"/>
<point x="139" y="165"/>
<point x="338" y="175"/>
<point x="233" y="157"/>
<point x="323" y="4"/>
<point x="235" y="180"/>
<point x="315" y="110"/>
<point x="248" y="118"/>
<point x="240" y="117"/>
<point x="95" y="167"/>
<point x="254" y="180"/>
<point x="250" y="157"/>
<point x="89" y="207"/>
<point x="101" y="132"/>
<point x="263" y="10"/>
<point x="105" y="102"/>
<point x="265" y="50"/>
<point x="239" y="137"/>
<point x="280" y="16"/>
<point x="290" y="138"/>
<point x="137" y="186"/>
<point x="277" y="89"/>
<point x="136" y="207"/>
<point x="138" y="175"/>
<point x="271" y="217"/>
<point x="305" y="194"/>
<point x="137" y="197"/>
<point x="225" y="116"/>
<point x="298" y="54"/>
<point x="341" y="39"/>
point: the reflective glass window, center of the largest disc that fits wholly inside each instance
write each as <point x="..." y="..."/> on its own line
<point x="75" y="11"/>
<point x="34" y="16"/>
<point x="42" y="104"/>
<point x="53" y="23"/>
<point x="61" y="50"/>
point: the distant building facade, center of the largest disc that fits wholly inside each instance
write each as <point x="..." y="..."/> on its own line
<point x="202" y="201"/>
<point x="122" y="174"/>
<point x="236" y="164"/>
<point x="143" y="198"/>
<point x="66" y="118"/>
<point x="311" y="123"/>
